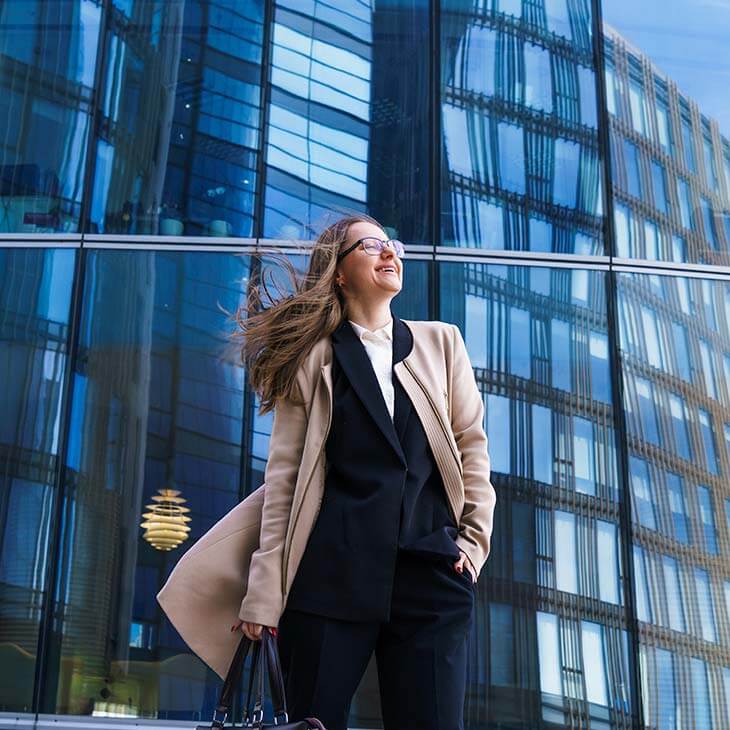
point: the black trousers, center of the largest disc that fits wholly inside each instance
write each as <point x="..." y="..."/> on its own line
<point x="421" y="652"/>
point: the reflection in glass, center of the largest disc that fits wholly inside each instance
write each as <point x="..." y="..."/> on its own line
<point x="180" y="119"/>
<point x="48" y="55"/>
<point x="35" y="297"/>
<point x="678" y="480"/>
<point x="537" y="338"/>
<point x="520" y="163"/>
<point x="156" y="402"/>
<point x="667" y="127"/>
<point x="347" y="120"/>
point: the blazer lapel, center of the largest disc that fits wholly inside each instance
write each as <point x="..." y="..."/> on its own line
<point x="402" y="345"/>
<point x="354" y="360"/>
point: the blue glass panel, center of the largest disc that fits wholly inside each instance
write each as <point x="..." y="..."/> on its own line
<point x="518" y="123"/>
<point x="672" y="112"/>
<point x="177" y="152"/>
<point x="48" y="56"/>
<point x="35" y="300"/>
<point x="347" y="132"/>
<point x="155" y="406"/>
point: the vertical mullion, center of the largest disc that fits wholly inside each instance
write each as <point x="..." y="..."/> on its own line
<point x="612" y="315"/>
<point x="435" y="147"/>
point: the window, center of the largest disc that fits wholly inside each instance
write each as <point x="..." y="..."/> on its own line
<point x="708" y="440"/>
<point x="594" y="663"/>
<point x="662" y="117"/>
<point x="641" y="489"/>
<point x="708" y="222"/>
<point x="520" y="354"/>
<point x="566" y="562"/>
<point x="678" y="412"/>
<point x="685" y="209"/>
<point x="560" y="354"/>
<point x="681" y="351"/>
<point x="538" y="81"/>
<point x="607" y="551"/>
<point x="584" y="456"/>
<point x="701" y="695"/>
<point x="610" y="91"/>
<point x="707" y="519"/>
<point x="647" y="411"/>
<point x="565" y="176"/>
<point x="633" y="176"/>
<point x="511" y="157"/>
<point x="638" y="110"/>
<point x="502" y="647"/>
<point x="704" y="599"/>
<point x="643" y="606"/>
<point x="707" y="369"/>
<point x="659" y="186"/>
<point x="548" y="643"/>
<point x="677" y="507"/>
<point x="688" y="144"/>
<point x="542" y="444"/>
<point x="650" y="328"/>
<point x="710" y="169"/>
<point x="600" y="378"/>
<point x="673" y="591"/>
<point x="498" y="430"/>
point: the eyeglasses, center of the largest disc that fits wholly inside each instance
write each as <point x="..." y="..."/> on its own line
<point x="374" y="246"/>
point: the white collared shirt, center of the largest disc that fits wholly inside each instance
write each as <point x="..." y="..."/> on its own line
<point x="379" y="347"/>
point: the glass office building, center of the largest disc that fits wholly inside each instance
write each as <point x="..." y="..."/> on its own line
<point x="560" y="175"/>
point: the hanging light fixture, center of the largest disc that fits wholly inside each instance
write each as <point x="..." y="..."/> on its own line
<point x="165" y="525"/>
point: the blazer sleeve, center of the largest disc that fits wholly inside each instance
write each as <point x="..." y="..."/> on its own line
<point x="263" y="602"/>
<point x="467" y="418"/>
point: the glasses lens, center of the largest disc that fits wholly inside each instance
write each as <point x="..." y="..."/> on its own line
<point x="375" y="246"/>
<point x="398" y="247"/>
<point x="371" y="245"/>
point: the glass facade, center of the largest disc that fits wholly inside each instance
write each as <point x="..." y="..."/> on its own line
<point x="560" y="175"/>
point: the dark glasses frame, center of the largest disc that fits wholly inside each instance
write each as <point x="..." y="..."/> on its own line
<point x="383" y="243"/>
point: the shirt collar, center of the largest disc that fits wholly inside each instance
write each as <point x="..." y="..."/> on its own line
<point x="384" y="332"/>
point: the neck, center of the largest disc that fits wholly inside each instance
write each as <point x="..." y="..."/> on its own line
<point x="372" y="317"/>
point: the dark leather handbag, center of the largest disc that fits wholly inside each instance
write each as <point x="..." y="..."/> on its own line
<point x="266" y="652"/>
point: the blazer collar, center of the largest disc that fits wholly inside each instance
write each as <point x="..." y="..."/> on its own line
<point x="353" y="358"/>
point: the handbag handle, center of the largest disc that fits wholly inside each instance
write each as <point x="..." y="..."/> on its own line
<point x="233" y="676"/>
<point x="263" y="650"/>
<point x="269" y="654"/>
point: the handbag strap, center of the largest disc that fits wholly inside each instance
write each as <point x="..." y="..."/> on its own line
<point x="276" y="677"/>
<point x="264" y="650"/>
<point x="232" y="679"/>
<point x="251" y="678"/>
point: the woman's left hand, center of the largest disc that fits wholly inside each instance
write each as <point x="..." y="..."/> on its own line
<point x="463" y="563"/>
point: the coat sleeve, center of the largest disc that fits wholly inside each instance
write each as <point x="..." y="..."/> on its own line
<point x="467" y="417"/>
<point x="263" y="602"/>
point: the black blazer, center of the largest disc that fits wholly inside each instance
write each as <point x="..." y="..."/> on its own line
<point x="383" y="492"/>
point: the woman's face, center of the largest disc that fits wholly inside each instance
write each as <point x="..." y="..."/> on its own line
<point x="367" y="275"/>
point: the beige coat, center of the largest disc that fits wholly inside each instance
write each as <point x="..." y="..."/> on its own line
<point x="244" y="566"/>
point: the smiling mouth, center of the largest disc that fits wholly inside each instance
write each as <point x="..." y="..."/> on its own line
<point x="387" y="271"/>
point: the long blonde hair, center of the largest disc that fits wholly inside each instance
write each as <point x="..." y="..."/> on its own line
<point x="274" y="341"/>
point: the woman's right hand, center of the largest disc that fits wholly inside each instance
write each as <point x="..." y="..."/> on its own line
<point x="250" y="630"/>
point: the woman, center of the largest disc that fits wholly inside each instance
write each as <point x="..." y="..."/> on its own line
<point x="377" y="508"/>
